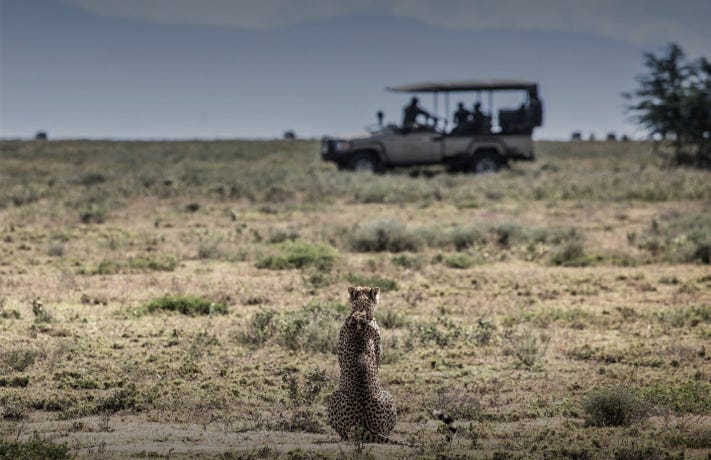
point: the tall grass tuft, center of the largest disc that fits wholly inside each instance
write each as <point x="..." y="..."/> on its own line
<point x="186" y="305"/>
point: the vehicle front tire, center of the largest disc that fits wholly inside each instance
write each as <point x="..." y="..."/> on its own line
<point x="365" y="162"/>
<point x="486" y="163"/>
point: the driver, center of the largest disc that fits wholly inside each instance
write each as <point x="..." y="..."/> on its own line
<point x="410" y="114"/>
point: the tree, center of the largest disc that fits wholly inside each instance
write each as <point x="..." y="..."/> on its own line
<point x="673" y="102"/>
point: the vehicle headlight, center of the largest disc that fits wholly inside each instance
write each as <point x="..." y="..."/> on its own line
<point x="341" y="146"/>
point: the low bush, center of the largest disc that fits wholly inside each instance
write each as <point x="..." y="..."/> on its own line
<point x="261" y="327"/>
<point x="527" y="345"/>
<point x="34" y="448"/>
<point x="384" y="235"/>
<point x="678" y="238"/>
<point x="444" y="333"/>
<point x="187" y="305"/>
<point x="94" y="213"/>
<point x="133" y="265"/>
<point x="458" y="260"/>
<point x="17" y="381"/>
<point x="299" y="254"/>
<point x="313" y="328"/>
<point x="385" y="284"/>
<point x="571" y="255"/>
<point x="18" y="359"/>
<point x="464" y="237"/>
<point x="390" y="319"/>
<point x="406" y="261"/>
<point x="42" y="315"/>
<point x="691" y="397"/>
<point x="614" y="406"/>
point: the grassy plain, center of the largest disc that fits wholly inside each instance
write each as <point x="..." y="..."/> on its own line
<point x="182" y="299"/>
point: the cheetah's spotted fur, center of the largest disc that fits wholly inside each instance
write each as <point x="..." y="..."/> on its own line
<point x="359" y="405"/>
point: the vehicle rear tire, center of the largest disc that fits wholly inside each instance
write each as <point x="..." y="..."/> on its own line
<point x="486" y="163"/>
<point x="365" y="162"/>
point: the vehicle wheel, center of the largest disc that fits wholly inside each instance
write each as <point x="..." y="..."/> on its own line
<point x="486" y="163"/>
<point x="365" y="162"/>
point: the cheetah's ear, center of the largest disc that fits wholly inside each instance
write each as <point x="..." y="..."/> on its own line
<point x="351" y="292"/>
<point x="375" y="294"/>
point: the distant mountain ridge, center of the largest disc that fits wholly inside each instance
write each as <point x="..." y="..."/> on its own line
<point x="80" y="75"/>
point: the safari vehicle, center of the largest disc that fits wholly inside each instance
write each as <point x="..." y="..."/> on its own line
<point x="482" y="147"/>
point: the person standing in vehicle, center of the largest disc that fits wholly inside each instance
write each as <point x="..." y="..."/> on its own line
<point x="462" y="115"/>
<point x="480" y="121"/>
<point x="410" y="114"/>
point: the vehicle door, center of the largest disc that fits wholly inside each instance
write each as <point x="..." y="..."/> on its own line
<point x="414" y="148"/>
<point x="456" y="145"/>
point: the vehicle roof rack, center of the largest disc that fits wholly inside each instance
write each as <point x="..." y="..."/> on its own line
<point x="466" y="85"/>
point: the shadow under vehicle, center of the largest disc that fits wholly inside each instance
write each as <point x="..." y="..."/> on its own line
<point x="482" y="145"/>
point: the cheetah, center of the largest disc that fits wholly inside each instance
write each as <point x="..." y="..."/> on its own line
<point x="359" y="407"/>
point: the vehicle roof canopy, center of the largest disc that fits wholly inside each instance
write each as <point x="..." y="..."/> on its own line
<point x="467" y="85"/>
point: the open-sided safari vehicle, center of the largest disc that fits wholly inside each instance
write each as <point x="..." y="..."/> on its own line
<point x="479" y="143"/>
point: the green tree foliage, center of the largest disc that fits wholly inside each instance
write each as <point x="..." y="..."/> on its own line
<point x="673" y="102"/>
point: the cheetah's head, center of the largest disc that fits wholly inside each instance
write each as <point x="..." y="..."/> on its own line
<point x="364" y="299"/>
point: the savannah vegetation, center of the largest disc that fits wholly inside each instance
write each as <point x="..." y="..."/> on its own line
<point x="673" y="101"/>
<point x="183" y="299"/>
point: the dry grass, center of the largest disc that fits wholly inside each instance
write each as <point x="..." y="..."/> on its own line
<point x="511" y="302"/>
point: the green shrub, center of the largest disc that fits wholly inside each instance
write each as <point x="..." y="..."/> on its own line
<point x="458" y="260"/>
<point x="384" y="235"/>
<point x="209" y="247"/>
<point x="187" y="305"/>
<point x="444" y="333"/>
<point x="91" y="178"/>
<point x="684" y="238"/>
<point x="18" y="359"/>
<point x="42" y="315"/>
<point x="35" y="448"/>
<point x="313" y="328"/>
<point x="465" y="237"/>
<point x="261" y="327"/>
<point x="406" y="261"/>
<point x="17" y="381"/>
<point x="484" y="331"/>
<point x="614" y="406"/>
<point x="636" y="451"/>
<point x="691" y="397"/>
<point x="160" y="263"/>
<point x="527" y="345"/>
<point x="508" y="234"/>
<point x="385" y="284"/>
<point x="571" y="255"/>
<point x="390" y="319"/>
<point x="120" y="399"/>
<point x="95" y="212"/>
<point x="299" y="254"/>
<point x="302" y="397"/>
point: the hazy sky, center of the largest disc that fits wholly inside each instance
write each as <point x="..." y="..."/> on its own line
<point x="230" y="68"/>
<point x="635" y="21"/>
